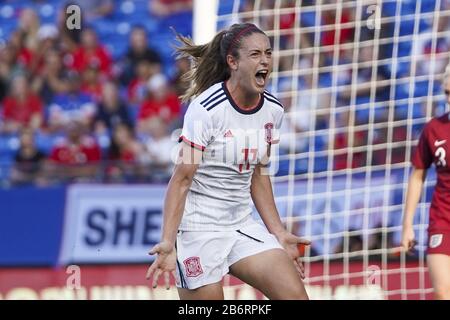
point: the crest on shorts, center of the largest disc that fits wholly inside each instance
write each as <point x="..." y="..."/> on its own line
<point x="193" y="267"/>
<point x="435" y="240"/>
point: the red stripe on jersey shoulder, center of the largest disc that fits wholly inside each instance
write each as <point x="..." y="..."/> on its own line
<point x="192" y="144"/>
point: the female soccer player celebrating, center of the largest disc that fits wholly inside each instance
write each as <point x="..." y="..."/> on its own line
<point x="433" y="147"/>
<point x="229" y="127"/>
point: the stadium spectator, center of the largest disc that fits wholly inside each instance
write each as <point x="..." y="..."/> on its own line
<point x="10" y="64"/>
<point x="48" y="37"/>
<point x="160" y="146"/>
<point x="183" y="65"/>
<point x="125" y="154"/>
<point x="21" y="108"/>
<point x="72" y="105"/>
<point x="345" y="141"/>
<point x="28" y="161"/>
<point x="124" y="146"/>
<point x="52" y="79"/>
<point x="137" y="90"/>
<point x="138" y="50"/>
<point x="159" y="151"/>
<point x="161" y="103"/>
<point x="92" y="84"/>
<point x="369" y="86"/>
<point x="345" y="34"/>
<point x="164" y="8"/>
<point x="286" y="19"/>
<point x="111" y="110"/>
<point x="27" y="37"/>
<point x="430" y="54"/>
<point x="91" y="53"/>
<point x="74" y="157"/>
<point x="305" y="116"/>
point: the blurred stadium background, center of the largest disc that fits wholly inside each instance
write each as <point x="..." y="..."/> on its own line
<point x="89" y="118"/>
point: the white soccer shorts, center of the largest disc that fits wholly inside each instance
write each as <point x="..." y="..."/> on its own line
<point x="205" y="257"/>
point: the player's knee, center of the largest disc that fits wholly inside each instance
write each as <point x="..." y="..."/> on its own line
<point x="442" y="293"/>
<point x="295" y="292"/>
<point x="298" y="295"/>
<point x="301" y="295"/>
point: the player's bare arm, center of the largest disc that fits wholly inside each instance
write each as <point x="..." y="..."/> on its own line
<point x="174" y="202"/>
<point x="262" y="196"/>
<point x="415" y="186"/>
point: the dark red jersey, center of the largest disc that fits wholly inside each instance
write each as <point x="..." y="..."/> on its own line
<point x="434" y="147"/>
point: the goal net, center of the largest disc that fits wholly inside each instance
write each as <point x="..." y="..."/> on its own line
<point x="358" y="80"/>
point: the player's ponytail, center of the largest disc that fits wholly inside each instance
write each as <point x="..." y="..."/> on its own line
<point x="209" y="60"/>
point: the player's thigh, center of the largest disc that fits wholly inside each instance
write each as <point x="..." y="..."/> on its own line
<point x="439" y="270"/>
<point x="202" y="258"/>
<point x="213" y="291"/>
<point x="273" y="273"/>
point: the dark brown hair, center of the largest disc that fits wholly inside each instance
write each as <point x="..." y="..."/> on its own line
<point x="210" y="59"/>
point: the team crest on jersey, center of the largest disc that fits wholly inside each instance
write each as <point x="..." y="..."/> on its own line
<point x="268" y="127"/>
<point x="435" y="240"/>
<point x="193" y="267"/>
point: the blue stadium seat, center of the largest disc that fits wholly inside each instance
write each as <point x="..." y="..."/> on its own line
<point x="301" y="166"/>
<point x="45" y="142"/>
<point x="440" y="108"/>
<point x="8" y="149"/>
<point x="6" y="28"/>
<point x="133" y="111"/>
<point x="320" y="164"/>
<point x="104" y="27"/>
<point x="417" y="130"/>
<point x="388" y="9"/>
<point x="404" y="48"/>
<point x="421" y="88"/>
<point x="308" y="19"/>
<point x="117" y="46"/>
<point x="325" y="79"/>
<point x="401" y="91"/>
<point x="125" y="10"/>
<point x="5" y="170"/>
<point x="47" y="12"/>
<point x="225" y="7"/>
<point x="182" y="22"/>
<point x="429" y="6"/>
<point x="407" y="111"/>
<point x="151" y="25"/>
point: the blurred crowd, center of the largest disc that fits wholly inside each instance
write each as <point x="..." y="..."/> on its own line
<point x="367" y="85"/>
<point x="103" y="119"/>
<point x="356" y="97"/>
<point x="81" y="114"/>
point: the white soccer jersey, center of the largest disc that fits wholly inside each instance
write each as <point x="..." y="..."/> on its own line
<point x="233" y="141"/>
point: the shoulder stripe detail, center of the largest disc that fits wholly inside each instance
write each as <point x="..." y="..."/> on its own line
<point x="192" y="144"/>
<point x="211" y="95"/>
<point x="213" y="100"/>
<point x="270" y="95"/>
<point x="217" y="103"/>
<point x="274" y="101"/>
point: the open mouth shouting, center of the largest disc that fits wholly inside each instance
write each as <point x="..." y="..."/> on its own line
<point x="261" y="77"/>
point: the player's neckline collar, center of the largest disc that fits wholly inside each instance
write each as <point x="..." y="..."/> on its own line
<point x="239" y="109"/>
